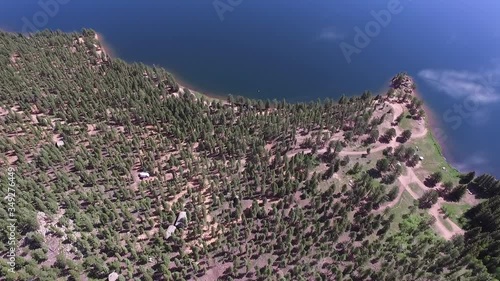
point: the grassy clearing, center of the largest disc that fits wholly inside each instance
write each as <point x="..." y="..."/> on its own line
<point x="400" y="209"/>
<point x="406" y="123"/>
<point x="455" y="211"/>
<point x="369" y="161"/>
<point x="415" y="188"/>
<point x="446" y="223"/>
<point x="434" y="160"/>
<point x="325" y="185"/>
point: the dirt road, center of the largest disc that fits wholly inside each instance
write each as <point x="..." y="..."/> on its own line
<point x="419" y="131"/>
<point x="434" y="211"/>
<point x="410" y="177"/>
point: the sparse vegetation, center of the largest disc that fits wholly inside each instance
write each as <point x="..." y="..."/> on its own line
<point x="455" y="211"/>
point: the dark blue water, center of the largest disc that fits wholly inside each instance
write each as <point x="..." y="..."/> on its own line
<point x="291" y="49"/>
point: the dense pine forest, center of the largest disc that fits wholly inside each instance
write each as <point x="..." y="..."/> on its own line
<point x="106" y="158"/>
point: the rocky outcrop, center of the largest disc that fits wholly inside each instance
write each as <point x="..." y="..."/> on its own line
<point x="403" y="82"/>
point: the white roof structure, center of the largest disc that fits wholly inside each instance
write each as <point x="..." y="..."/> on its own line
<point x="181" y="220"/>
<point x="59" y="143"/>
<point x="170" y="230"/>
<point x="144" y="175"/>
<point x="113" y="276"/>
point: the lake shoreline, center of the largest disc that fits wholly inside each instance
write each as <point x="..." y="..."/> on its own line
<point x="193" y="89"/>
<point x="431" y="121"/>
<point x="434" y="126"/>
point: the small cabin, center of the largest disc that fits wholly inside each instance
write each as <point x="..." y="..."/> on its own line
<point x="144" y="175"/>
<point x="181" y="220"/>
<point x="170" y="230"/>
<point x="59" y="143"/>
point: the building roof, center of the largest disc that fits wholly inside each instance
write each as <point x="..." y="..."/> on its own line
<point x="113" y="276"/>
<point x="181" y="220"/>
<point x="170" y="230"/>
<point x="60" y="143"/>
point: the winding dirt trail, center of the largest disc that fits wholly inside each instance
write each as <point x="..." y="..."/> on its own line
<point x="393" y="202"/>
<point x="418" y="131"/>
<point x="405" y="181"/>
<point x="397" y="110"/>
<point x="434" y="210"/>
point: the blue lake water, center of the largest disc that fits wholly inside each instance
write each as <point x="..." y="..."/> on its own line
<point x="292" y="49"/>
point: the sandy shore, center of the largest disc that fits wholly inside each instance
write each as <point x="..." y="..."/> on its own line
<point x="104" y="46"/>
<point x="184" y="84"/>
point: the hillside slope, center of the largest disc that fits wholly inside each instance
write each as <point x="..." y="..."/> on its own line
<point x="270" y="191"/>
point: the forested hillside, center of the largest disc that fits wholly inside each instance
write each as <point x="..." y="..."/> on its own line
<point x="271" y="190"/>
<point x="483" y="222"/>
